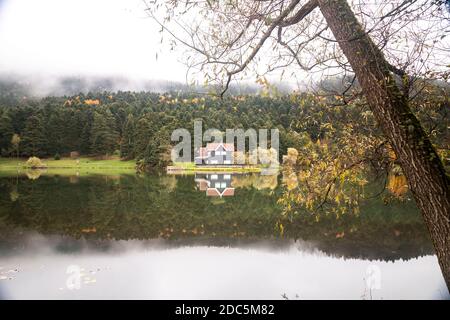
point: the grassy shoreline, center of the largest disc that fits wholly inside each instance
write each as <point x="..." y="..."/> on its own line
<point x="83" y="165"/>
<point x="88" y="165"/>
<point x="191" y="168"/>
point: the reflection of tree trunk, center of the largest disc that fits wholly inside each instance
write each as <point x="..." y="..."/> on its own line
<point x="419" y="161"/>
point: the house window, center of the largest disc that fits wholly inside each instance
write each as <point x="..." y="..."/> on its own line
<point x="213" y="153"/>
<point x="217" y="185"/>
<point x="214" y="177"/>
<point x="227" y="177"/>
<point x="223" y="185"/>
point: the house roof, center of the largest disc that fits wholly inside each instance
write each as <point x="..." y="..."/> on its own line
<point x="203" y="151"/>
<point x="228" y="192"/>
<point x="215" y="146"/>
<point x="213" y="192"/>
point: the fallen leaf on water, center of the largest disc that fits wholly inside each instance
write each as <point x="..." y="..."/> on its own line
<point x="11" y="271"/>
<point x="340" y="235"/>
<point x="90" y="281"/>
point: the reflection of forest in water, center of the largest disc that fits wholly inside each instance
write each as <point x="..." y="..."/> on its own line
<point x="174" y="209"/>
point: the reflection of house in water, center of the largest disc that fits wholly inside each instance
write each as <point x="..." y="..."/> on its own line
<point x="215" y="184"/>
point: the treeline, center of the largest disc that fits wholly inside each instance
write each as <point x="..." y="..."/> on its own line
<point x="138" y="125"/>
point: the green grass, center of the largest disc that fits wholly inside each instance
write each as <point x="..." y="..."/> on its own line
<point x="83" y="165"/>
<point x="185" y="165"/>
<point x="191" y="168"/>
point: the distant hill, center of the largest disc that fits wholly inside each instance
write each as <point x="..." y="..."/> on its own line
<point x="15" y="89"/>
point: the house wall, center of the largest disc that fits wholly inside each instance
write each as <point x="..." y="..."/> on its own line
<point x="221" y="159"/>
<point x="226" y="158"/>
<point x="219" y="181"/>
<point x="229" y="157"/>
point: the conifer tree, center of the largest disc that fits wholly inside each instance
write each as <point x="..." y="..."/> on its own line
<point x="142" y="137"/>
<point x="103" y="135"/>
<point x="6" y="133"/>
<point x="34" y="141"/>
<point x="128" y="137"/>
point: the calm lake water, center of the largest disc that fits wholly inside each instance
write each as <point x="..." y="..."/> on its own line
<point x="202" y="237"/>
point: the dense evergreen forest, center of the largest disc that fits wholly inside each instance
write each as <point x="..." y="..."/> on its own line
<point x="138" y="125"/>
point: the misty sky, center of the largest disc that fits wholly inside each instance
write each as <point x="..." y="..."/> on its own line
<point x="91" y="38"/>
<point x="82" y="37"/>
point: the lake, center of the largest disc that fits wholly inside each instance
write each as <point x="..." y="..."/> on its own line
<point x="204" y="236"/>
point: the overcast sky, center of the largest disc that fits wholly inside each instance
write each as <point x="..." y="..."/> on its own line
<point x="83" y="37"/>
<point x="44" y="38"/>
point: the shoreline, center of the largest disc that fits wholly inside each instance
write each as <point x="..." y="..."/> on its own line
<point x="68" y="165"/>
<point x="191" y="169"/>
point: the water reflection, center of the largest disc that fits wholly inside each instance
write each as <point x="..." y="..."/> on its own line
<point x="176" y="208"/>
<point x="215" y="184"/>
<point x="153" y="269"/>
<point x="160" y="235"/>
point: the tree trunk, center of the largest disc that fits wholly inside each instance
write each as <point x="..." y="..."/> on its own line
<point x="422" y="167"/>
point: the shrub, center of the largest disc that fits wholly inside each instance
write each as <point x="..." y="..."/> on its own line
<point x="291" y="158"/>
<point x="57" y="156"/>
<point x="74" y="154"/>
<point x="34" y="163"/>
